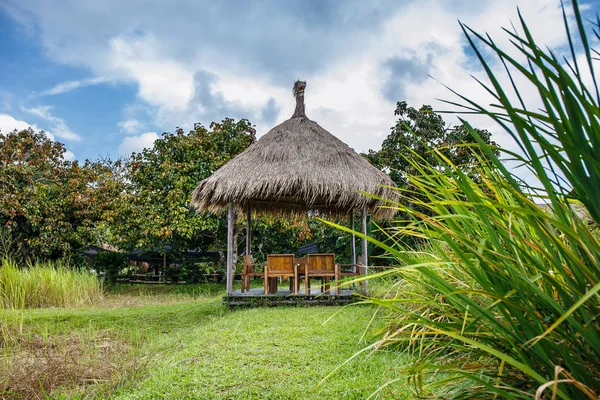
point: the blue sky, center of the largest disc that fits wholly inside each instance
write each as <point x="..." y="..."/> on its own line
<point x="106" y="78"/>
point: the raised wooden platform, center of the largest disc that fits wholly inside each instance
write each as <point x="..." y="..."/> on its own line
<point x="257" y="298"/>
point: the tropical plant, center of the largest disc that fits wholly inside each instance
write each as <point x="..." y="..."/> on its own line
<point x="503" y="301"/>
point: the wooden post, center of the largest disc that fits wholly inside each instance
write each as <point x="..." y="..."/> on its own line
<point x="230" y="270"/>
<point x="164" y="268"/>
<point x="353" y="245"/>
<point x="365" y="255"/>
<point x="248" y="231"/>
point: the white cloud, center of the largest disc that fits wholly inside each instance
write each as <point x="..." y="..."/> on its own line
<point x="69" y="155"/>
<point x="9" y="124"/>
<point x="136" y="144"/>
<point x="130" y="126"/>
<point x="252" y="63"/>
<point x="346" y="95"/>
<point x="162" y="82"/>
<point x="65" y="87"/>
<point x="59" y="126"/>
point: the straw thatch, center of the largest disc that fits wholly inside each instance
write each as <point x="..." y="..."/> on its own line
<point x="297" y="167"/>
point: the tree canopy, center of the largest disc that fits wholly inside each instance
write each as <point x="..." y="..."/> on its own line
<point x="156" y="212"/>
<point x="415" y="135"/>
<point x="51" y="206"/>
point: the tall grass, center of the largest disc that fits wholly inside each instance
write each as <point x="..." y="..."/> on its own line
<point x="47" y="285"/>
<point x="503" y="299"/>
<point x="500" y="296"/>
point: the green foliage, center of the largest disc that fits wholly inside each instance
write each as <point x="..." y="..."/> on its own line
<point x="416" y="135"/>
<point x="111" y="263"/>
<point x="505" y="295"/>
<point x="49" y="205"/>
<point x="156" y="210"/>
<point x="195" y="272"/>
<point x="272" y="235"/>
<point x="501" y="288"/>
<point x="9" y="248"/>
<point x="46" y="285"/>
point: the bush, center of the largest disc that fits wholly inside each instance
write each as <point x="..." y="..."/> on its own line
<point x="192" y="272"/>
<point x="111" y="263"/>
<point x="173" y="273"/>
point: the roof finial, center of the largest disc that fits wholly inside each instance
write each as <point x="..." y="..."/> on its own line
<point x="299" y="87"/>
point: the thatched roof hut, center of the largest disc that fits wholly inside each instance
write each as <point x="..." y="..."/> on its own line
<point x="297" y="167"/>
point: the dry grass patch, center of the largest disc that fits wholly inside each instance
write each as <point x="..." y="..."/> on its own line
<point x="33" y="366"/>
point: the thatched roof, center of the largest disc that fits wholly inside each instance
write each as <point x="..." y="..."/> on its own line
<point x="297" y="167"/>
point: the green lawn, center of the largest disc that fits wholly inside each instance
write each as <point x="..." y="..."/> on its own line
<point x="180" y="342"/>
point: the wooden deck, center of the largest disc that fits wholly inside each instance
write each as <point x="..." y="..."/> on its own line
<point x="256" y="298"/>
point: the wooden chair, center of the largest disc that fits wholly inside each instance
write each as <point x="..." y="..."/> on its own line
<point x="280" y="266"/>
<point x="300" y="264"/>
<point x="250" y="272"/>
<point x="346" y="270"/>
<point x="320" y="266"/>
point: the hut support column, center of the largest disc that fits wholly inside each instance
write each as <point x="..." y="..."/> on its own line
<point x="248" y="231"/>
<point x="353" y="245"/>
<point x="365" y="256"/>
<point x="230" y="269"/>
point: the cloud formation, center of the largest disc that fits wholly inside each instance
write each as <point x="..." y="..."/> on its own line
<point x="65" y="87"/>
<point x="198" y="61"/>
<point x="130" y="126"/>
<point x="9" y="124"/>
<point x="58" y="125"/>
<point x="136" y="144"/>
<point x="403" y="71"/>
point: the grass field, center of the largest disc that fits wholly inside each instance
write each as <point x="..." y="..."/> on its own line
<point x="180" y="342"/>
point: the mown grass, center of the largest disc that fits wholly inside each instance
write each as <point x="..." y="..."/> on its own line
<point x="192" y="347"/>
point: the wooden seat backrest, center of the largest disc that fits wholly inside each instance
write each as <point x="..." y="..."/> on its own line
<point x="321" y="262"/>
<point x="280" y="262"/>
<point x="301" y="261"/>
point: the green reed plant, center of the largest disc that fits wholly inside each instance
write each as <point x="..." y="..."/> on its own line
<point x="500" y="297"/>
<point x="47" y="284"/>
<point x="503" y="301"/>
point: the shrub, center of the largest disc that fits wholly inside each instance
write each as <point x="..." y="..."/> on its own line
<point x="111" y="263"/>
<point x="173" y="273"/>
<point x="192" y="272"/>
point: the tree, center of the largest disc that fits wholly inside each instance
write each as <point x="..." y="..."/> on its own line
<point x="415" y="138"/>
<point x="156" y="212"/>
<point x="51" y="206"/>
<point x="416" y="134"/>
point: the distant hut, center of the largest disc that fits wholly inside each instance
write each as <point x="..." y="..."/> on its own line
<point x="297" y="167"/>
